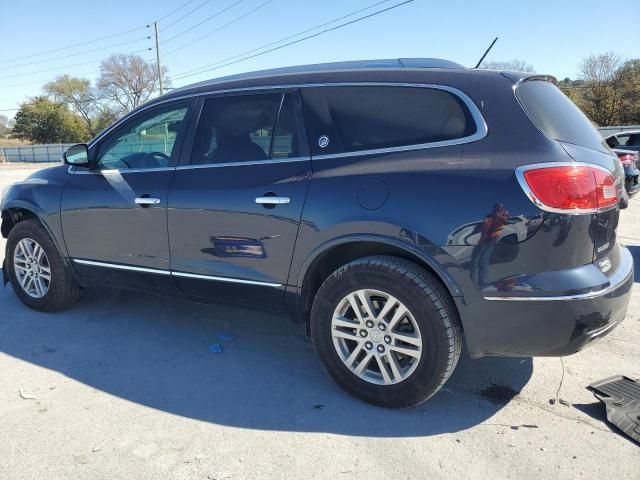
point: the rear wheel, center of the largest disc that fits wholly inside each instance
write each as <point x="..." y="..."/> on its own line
<point x="36" y="270"/>
<point x="386" y="331"/>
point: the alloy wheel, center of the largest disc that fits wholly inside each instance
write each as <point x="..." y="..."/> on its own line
<point x="376" y="337"/>
<point x="31" y="266"/>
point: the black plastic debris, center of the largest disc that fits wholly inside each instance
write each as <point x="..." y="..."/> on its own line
<point x="621" y="396"/>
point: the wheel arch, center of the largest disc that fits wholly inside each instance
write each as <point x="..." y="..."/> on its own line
<point x="328" y="257"/>
<point x="17" y="211"/>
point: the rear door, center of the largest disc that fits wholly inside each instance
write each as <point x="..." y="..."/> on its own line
<point x="235" y="205"/>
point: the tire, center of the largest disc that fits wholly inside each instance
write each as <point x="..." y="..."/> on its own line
<point x="432" y="320"/>
<point x="62" y="290"/>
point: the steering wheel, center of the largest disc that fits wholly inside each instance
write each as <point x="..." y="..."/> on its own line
<point x="156" y="155"/>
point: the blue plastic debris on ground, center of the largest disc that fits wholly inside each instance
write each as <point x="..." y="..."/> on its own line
<point x="215" y="348"/>
<point x="226" y="337"/>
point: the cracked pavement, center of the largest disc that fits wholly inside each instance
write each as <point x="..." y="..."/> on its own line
<point x="124" y="385"/>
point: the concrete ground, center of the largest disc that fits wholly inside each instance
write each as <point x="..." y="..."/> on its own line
<point x="123" y="385"/>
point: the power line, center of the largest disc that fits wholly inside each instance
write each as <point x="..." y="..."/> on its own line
<point x="187" y="14"/>
<point x="175" y="10"/>
<point x="231" y="22"/>
<point x="22" y="57"/>
<point x="219" y="12"/>
<point x="66" y="66"/>
<point x="290" y="36"/>
<point x="82" y="53"/>
<point x="40" y="81"/>
<point x="359" y="19"/>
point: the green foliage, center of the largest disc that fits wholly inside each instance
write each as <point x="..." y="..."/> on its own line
<point x="609" y="90"/>
<point x="77" y="95"/>
<point x="43" y="121"/>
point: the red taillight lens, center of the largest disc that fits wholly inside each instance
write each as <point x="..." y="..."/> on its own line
<point x="572" y="188"/>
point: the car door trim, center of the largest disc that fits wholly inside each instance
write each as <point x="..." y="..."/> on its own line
<point x="117" y="266"/>
<point x="174" y="273"/>
<point x="241" y="164"/>
<point x="224" y="279"/>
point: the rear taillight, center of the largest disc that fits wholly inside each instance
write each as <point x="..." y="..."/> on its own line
<point x="569" y="188"/>
<point x="627" y="159"/>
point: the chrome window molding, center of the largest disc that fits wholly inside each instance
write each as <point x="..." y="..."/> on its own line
<point x="73" y="170"/>
<point x="538" y="203"/>
<point x="244" y="163"/>
<point x="174" y="273"/>
<point x="481" y="125"/>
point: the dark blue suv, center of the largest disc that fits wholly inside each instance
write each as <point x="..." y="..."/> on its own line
<point x="395" y="207"/>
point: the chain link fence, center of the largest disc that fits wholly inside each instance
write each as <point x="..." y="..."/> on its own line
<point x="49" y="153"/>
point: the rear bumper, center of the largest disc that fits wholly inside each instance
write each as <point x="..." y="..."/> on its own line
<point x="543" y="324"/>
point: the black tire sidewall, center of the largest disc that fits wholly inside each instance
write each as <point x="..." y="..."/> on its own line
<point x="428" y="376"/>
<point x="62" y="288"/>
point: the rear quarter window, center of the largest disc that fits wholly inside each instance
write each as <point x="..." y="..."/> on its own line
<point x="556" y="116"/>
<point x="358" y="118"/>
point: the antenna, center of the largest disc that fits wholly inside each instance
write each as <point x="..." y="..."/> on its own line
<point x="485" y="53"/>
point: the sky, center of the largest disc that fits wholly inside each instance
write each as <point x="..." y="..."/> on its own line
<point x="553" y="36"/>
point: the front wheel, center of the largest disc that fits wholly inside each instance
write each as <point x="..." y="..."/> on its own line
<point x="386" y="331"/>
<point x="37" y="271"/>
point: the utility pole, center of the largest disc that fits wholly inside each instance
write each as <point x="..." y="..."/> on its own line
<point x="155" y="24"/>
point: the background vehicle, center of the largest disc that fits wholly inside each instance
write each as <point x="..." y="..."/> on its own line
<point x="625" y="140"/>
<point x="629" y="161"/>
<point x="345" y="193"/>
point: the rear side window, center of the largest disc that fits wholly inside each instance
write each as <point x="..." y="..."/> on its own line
<point x="357" y="118"/>
<point x="241" y="128"/>
<point x="557" y="116"/>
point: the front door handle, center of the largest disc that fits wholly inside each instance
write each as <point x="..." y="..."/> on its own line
<point x="147" y="201"/>
<point x="273" y="200"/>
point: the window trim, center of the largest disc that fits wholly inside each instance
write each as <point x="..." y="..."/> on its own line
<point x="119" y="126"/>
<point x="481" y="125"/>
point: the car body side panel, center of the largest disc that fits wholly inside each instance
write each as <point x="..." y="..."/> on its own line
<point x="40" y="194"/>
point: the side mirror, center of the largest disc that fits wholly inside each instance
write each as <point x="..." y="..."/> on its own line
<point x="77" y="155"/>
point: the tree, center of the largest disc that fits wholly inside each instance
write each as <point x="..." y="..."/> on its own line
<point x="601" y="93"/>
<point x="629" y="81"/>
<point x="513" y="65"/>
<point x="43" y="121"/>
<point x="127" y="81"/>
<point x="6" y="124"/>
<point x="76" y="94"/>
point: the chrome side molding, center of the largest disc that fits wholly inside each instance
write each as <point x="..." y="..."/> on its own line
<point x="174" y="273"/>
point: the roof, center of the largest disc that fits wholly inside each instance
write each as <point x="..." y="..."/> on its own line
<point x="350" y="66"/>
<point x="399" y="70"/>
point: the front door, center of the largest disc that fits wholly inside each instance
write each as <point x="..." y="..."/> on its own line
<point x="114" y="215"/>
<point x="234" y="209"/>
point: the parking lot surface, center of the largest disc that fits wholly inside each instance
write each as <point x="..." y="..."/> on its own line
<point x="124" y="385"/>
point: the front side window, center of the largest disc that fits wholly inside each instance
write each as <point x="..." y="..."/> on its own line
<point x="357" y="118"/>
<point x="240" y="128"/>
<point x="148" y="141"/>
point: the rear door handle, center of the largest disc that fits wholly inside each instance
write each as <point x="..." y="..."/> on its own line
<point x="273" y="200"/>
<point x="147" y="201"/>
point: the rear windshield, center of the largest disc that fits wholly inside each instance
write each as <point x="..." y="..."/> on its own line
<point x="557" y="116"/>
